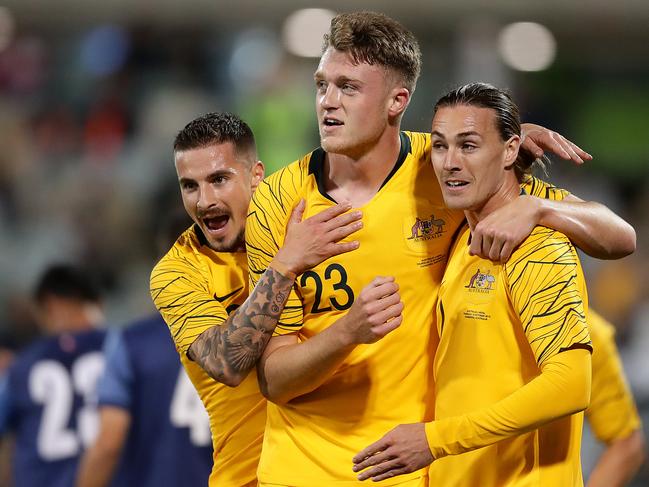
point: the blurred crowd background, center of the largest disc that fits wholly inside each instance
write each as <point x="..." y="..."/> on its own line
<point x="92" y="94"/>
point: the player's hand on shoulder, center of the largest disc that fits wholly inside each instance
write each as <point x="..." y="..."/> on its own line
<point x="537" y="140"/>
<point x="376" y="312"/>
<point x="497" y="236"/>
<point x="314" y="240"/>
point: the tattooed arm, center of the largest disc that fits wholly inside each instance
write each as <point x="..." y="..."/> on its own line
<point x="227" y="352"/>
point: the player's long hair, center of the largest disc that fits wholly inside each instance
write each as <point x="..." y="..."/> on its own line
<point x="508" y="121"/>
<point x="375" y="38"/>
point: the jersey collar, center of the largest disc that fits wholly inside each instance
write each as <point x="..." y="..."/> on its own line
<point x="316" y="164"/>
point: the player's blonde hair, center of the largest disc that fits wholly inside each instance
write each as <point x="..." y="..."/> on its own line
<point x="375" y="38"/>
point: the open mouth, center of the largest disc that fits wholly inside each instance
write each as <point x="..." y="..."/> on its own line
<point x="456" y="183"/>
<point x="216" y="223"/>
<point x="331" y="122"/>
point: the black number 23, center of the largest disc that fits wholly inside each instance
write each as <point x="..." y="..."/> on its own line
<point x="339" y="285"/>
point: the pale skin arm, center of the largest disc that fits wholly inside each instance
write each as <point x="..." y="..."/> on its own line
<point x="619" y="462"/>
<point x="97" y="466"/>
<point x="589" y="225"/>
<point x="289" y="369"/>
<point x="227" y="352"/>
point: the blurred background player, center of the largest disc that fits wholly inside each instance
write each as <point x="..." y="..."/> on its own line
<point x="154" y="429"/>
<point x="612" y="414"/>
<point x="49" y="400"/>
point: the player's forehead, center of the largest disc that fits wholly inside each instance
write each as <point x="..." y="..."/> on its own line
<point x="340" y="64"/>
<point x="462" y="119"/>
<point x="203" y="161"/>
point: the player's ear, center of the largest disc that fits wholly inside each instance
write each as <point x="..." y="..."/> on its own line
<point x="399" y="99"/>
<point x="257" y="174"/>
<point x="511" y="150"/>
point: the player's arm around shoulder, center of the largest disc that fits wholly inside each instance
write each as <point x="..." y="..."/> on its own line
<point x="592" y="227"/>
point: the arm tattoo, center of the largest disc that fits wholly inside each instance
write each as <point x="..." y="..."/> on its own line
<point x="229" y="351"/>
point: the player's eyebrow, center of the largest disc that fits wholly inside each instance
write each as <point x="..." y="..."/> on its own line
<point x="461" y="135"/>
<point x="346" y="79"/>
<point x="185" y="180"/>
<point x="317" y="76"/>
<point x="469" y="133"/>
<point x="220" y="173"/>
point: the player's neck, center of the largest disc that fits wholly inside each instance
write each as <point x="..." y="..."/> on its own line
<point x="357" y="178"/>
<point x="505" y="194"/>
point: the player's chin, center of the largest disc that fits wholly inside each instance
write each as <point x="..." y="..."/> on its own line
<point x="230" y="243"/>
<point x="331" y="144"/>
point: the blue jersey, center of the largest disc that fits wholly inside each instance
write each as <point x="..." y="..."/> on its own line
<point x="49" y="402"/>
<point x="169" y="442"/>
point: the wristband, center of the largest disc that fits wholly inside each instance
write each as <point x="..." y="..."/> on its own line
<point x="282" y="269"/>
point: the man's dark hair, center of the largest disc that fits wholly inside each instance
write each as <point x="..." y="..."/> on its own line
<point x="508" y="121"/>
<point x="375" y="38"/>
<point x="217" y="128"/>
<point x="67" y="281"/>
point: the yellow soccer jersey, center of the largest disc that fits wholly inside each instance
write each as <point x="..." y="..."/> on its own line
<point x="497" y="325"/>
<point x="612" y="413"/>
<point x="536" y="187"/>
<point x="195" y="288"/>
<point x="407" y="233"/>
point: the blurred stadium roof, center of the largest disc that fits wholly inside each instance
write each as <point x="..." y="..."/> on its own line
<point x="582" y="16"/>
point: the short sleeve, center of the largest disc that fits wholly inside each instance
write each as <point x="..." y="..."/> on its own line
<point x="268" y="215"/>
<point x="612" y="413"/>
<point x="548" y="292"/>
<point x="542" y="189"/>
<point x="115" y="386"/>
<point x="181" y="294"/>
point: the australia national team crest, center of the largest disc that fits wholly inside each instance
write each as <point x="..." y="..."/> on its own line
<point x="481" y="282"/>
<point x="427" y="229"/>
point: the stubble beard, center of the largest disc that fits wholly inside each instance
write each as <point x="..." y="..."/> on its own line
<point x="238" y="244"/>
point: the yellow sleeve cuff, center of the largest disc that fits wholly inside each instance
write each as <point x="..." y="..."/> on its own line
<point x="433" y="439"/>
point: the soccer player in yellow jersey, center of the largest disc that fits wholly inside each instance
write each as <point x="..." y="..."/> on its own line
<point x="334" y="389"/>
<point x="200" y="286"/>
<point x="612" y="413"/>
<point x="512" y="369"/>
